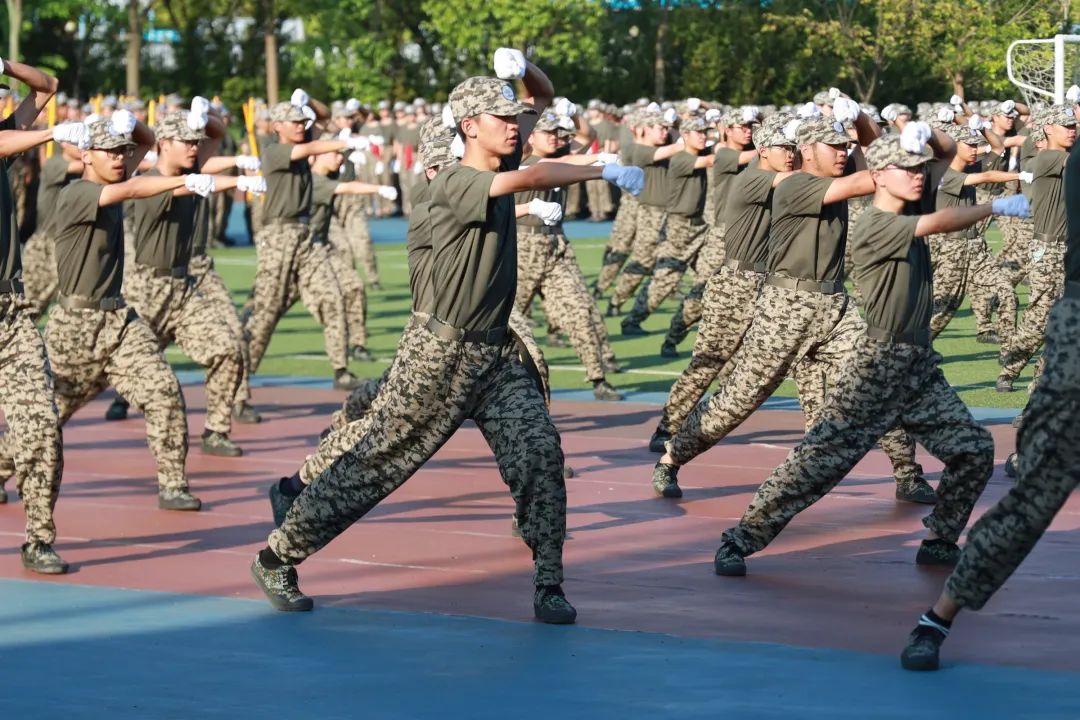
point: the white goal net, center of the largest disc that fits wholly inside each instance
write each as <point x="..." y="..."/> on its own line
<point x="1044" y="69"/>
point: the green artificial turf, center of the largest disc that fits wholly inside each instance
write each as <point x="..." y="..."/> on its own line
<point x="297" y="346"/>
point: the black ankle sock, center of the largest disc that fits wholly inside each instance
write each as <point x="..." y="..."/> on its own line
<point x="934" y="622"/>
<point x="269" y="559"/>
<point x="291" y="486"/>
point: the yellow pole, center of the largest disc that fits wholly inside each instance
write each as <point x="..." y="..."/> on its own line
<point x="253" y="145"/>
<point x="50" y="118"/>
<point x="151" y="113"/>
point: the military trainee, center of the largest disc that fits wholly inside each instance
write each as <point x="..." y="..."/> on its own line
<point x="461" y="365"/>
<point x="1049" y="454"/>
<point x="624" y="227"/>
<point x="803" y="322"/>
<point x="349" y="235"/>
<point x="892" y="376"/>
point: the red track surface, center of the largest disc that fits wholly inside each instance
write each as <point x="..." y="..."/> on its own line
<point x="841" y="576"/>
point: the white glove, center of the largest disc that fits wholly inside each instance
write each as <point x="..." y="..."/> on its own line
<point x="1027" y="177"/>
<point x="549" y="212"/>
<point x="956" y="100"/>
<point x="457" y="146"/>
<point x="791" y="130"/>
<point x="379" y="167"/>
<point x="606" y="158"/>
<point x="809" y="110"/>
<point x="834" y="93"/>
<point x="199" y="105"/>
<point x="378" y="140"/>
<point x="889" y="113"/>
<point x="91" y="119"/>
<point x="566" y="123"/>
<point x="1072" y="94"/>
<point x="248" y="162"/>
<point x="946" y="114"/>
<point x="976" y="123"/>
<point x="845" y="110"/>
<point x="254" y="184"/>
<point x="710" y="143"/>
<point x="509" y="64"/>
<point x="310" y="116"/>
<point x="750" y="113"/>
<point x="199" y="184"/>
<point x="388" y="192"/>
<point x="712" y="115"/>
<point x="123" y="122"/>
<point x="299" y="98"/>
<point x="352" y="105"/>
<point x="74" y="133"/>
<point x="417" y="168"/>
<point x="395" y="166"/>
<point x="565" y="108"/>
<point x="693" y="104"/>
<point x="196" y="120"/>
<point x="357" y="158"/>
<point x="150" y="158"/>
<point x="448" y="117"/>
<point x="653" y="107"/>
<point x="670" y="115"/>
<point x="1010" y="105"/>
<point x="914" y="136"/>
<point x="358" y="143"/>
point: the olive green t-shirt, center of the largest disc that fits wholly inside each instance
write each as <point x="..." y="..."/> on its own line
<point x="655" y="190"/>
<point x="806" y="238"/>
<point x="54" y="175"/>
<point x="163" y="226"/>
<point x="1072" y="208"/>
<point x="1048" y="192"/>
<point x="89" y="242"/>
<point x="474" y="249"/>
<point x="10" y="259"/>
<point x="892" y="269"/>
<point x="556" y="195"/>
<point x="686" y="185"/>
<point x="323" y="188"/>
<point x="288" y="185"/>
<point x="1028" y="151"/>
<point x="418" y="243"/>
<point x="747" y="214"/>
<point x="724" y="169"/>
<point x="200" y="232"/>
<point x="626" y="140"/>
<point x="952" y="192"/>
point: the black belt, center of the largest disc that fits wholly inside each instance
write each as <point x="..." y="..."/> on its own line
<point x="13" y="286"/>
<point x="494" y="336"/>
<point x="691" y="220"/>
<point x="744" y="265"/>
<point x="825" y="288"/>
<point x="918" y="337"/>
<point x="1047" y="237"/>
<point x="74" y="302"/>
<point x="541" y="229"/>
<point x="180" y="271"/>
<point x="304" y="220"/>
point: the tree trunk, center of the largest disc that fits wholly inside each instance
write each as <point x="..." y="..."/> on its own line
<point x="958" y="83"/>
<point x="14" y="8"/>
<point x="270" y="35"/>
<point x="134" y="47"/>
<point x="658" y="66"/>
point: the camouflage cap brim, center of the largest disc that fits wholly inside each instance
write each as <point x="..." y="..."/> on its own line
<point x="821" y="130"/>
<point x="286" y="112"/>
<point x="887" y="150"/>
<point x="102" y="136"/>
<point x="486" y="96"/>
<point x="174" y="126"/>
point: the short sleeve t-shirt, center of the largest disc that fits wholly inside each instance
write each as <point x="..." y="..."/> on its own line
<point x="747" y="214"/>
<point x="806" y="239"/>
<point x="89" y="243"/>
<point x="322" y="205"/>
<point x="10" y="259"/>
<point x="892" y="269"/>
<point x="163" y="226"/>
<point x="724" y="169"/>
<point x="54" y="175"/>
<point x="474" y="250"/>
<point x="1048" y="192"/>
<point x="952" y="192"/>
<point x="556" y="195"/>
<point x="418" y="243"/>
<point x="686" y="186"/>
<point x="288" y="185"/>
<point x="1072" y="206"/>
<point x="655" y="190"/>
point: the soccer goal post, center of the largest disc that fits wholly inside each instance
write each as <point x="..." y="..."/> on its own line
<point x="1044" y="69"/>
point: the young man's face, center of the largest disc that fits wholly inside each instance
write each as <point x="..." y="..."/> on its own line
<point x="496" y="134"/>
<point x="902" y="183"/>
<point x="544" y="143"/>
<point x="828" y="160"/>
<point x="290" y="132"/>
<point x="1003" y="123"/>
<point x="902" y="121"/>
<point x="967" y="153"/>
<point x="1060" y="136"/>
<point x="109" y="165"/>
<point x="179" y="153"/>
<point x="779" y="158"/>
<point x="656" y="134"/>
<point x="694" y="140"/>
<point x="741" y="134"/>
<point x="331" y="161"/>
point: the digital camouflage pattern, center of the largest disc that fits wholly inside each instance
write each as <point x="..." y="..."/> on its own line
<point x="478" y="95"/>
<point x="1046" y="278"/>
<point x="350" y="236"/>
<point x="965" y="266"/>
<point x="39" y="272"/>
<point x="209" y="283"/>
<point x="708" y="262"/>
<point x="683" y="240"/>
<point x="647" y="237"/>
<point x="617" y="251"/>
<point x="174" y="126"/>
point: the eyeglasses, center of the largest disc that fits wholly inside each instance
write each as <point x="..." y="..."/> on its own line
<point x="124" y="151"/>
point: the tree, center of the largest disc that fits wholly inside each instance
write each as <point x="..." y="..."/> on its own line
<point x="14" y="8"/>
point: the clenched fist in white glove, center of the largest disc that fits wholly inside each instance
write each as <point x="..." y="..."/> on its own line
<point x="976" y="123"/>
<point x="358" y="143"/>
<point x="606" y="158"/>
<point x="254" y="184"/>
<point x="845" y="110"/>
<point x="946" y="115"/>
<point x="549" y="212"/>
<point x="299" y="98"/>
<point x="509" y="64"/>
<point x="357" y="158"/>
<point x="200" y="105"/>
<point x="123" y="123"/>
<point x="352" y="105"/>
<point x="1009" y="105"/>
<point x="309" y="117"/>
<point x="956" y="100"/>
<point x="914" y="136"/>
<point x="712" y="115"/>
<point x="809" y="110"/>
<point x="248" y="162"/>
<point x="566" y="123"/>
<point x="670" y="115"/>
<point x="199" y="184"/>
<point x="565" y="108"/>
<point x="1072" y="94"/>
<point x="1027" y="177"/>
<point x="750" y="113"/>
<point x="388" y="192"/>
<point x="791" y="130"/>
<point x="196" y="120"/>
<point x="693" y="104"/>
<point x="889" y="113"/>
<point x="74" y="133"/>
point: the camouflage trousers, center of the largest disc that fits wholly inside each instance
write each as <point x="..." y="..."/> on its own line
<point x="730" y="297"/>
<point x="433" y="387"/>
<point x="291" y="267"/>
<point x="39" y="272"/>
<point x="93" y="349"/>
<point x="32" y="448"/>
<point x="880" y="386"/>
<point x="574" y="197"/>
<point x="647" y="238"/>
<point x="810" y="335"/>
<point x="176" y="311"/>
<point x="967" y="267"/>
<point x="350" y="233"/>
<point x="1015" y="255"/>
<point x="212" y="287"/>
<point x="1046" y="278"/>
<point x="684" y="238"/>
<point x="354" y="295"/>
<point x="547" y="267"/>
<point x="1048" y="455"/>
<point x="408" y="179"/>
<point x="617" y="251"/>
<point x="708" y="262"/>
<point x="598" y="193"/>
<point x="255" y="215"/>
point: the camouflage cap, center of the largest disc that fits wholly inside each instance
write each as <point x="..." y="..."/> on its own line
<point x="693" y="124"/>
<point x="548" y="122"/>
<point x="887" y="150"/>
<point x="964" y="134"/>
<point x="738" y="116"/>
<point x="480" y="95"/>
<point x="103" y="137"/>
<point x="1038" y="135"/>
<point x="1007" y="108"/>
<point x="902" y="109"/>
<point x="771" y="132"/>
<point x="1059" y="115"/>
<point x="821" y="129"/>
<point x="174" y="126"/>
<point x="433" y="129"/>
<point x="286" y="112"/>
<point x="651" y="118"/>
<point x="823" y="98"/>
<point x="434" y="147"/>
